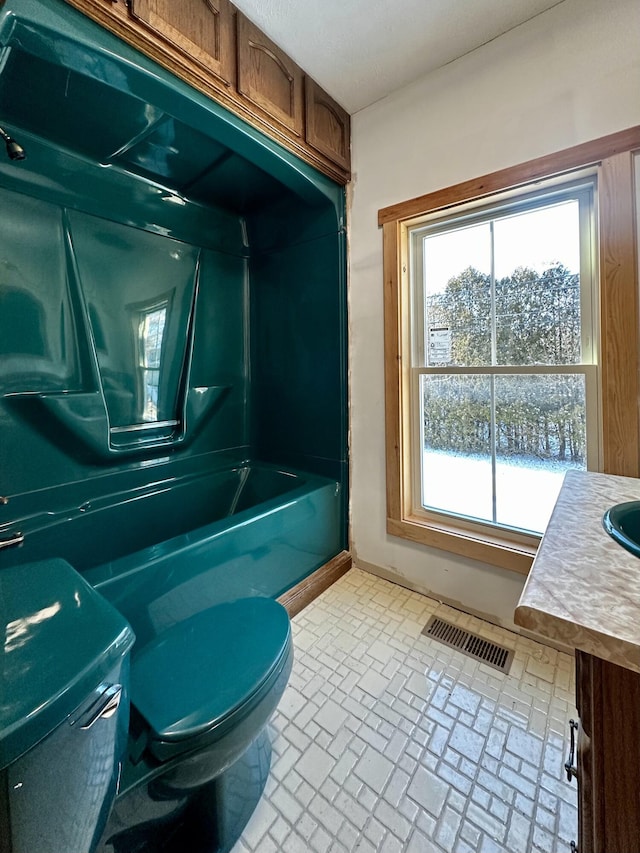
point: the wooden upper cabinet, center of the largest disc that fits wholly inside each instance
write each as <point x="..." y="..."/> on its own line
<point x="328" y="126"/>
<point x="268" y="78"/>
<point x="202" y="29"/>
<point x="216" y="49"/>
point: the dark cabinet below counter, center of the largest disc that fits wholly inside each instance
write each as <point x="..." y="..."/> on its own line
<point x="608" y="756"/>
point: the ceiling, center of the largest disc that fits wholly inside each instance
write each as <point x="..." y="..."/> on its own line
<point x="361" y="50"/>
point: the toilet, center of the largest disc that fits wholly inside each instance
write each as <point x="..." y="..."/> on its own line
<point x="119" y="749"/>
<point x="201" y="695"/>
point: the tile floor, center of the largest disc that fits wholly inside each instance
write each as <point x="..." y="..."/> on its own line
<point x="388" y="741"/>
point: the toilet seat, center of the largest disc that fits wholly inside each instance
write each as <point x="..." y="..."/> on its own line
<point x="199" y="679"/>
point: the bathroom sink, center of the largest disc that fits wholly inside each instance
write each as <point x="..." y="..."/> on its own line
<point x="622" y="523"/>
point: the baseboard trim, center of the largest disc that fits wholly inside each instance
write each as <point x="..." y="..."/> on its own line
<point x="392" y="577"/>
<point x="299" y="596"/>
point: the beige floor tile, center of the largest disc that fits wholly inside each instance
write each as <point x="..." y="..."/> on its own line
<point x="388" y="741"/>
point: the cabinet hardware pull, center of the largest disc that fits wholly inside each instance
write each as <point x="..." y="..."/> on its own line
<point x="573" y="847"/>
<point x="569" y="765"/>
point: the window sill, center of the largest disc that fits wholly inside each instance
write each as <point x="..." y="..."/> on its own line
<point x="487" y="548"/>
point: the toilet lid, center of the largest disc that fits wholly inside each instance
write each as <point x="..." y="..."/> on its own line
<point x="189" y="678"/>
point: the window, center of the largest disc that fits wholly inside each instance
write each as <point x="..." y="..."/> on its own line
<point x="511" y="348"/>
<point x="504" y="377"/>
<point x="151" y="328"/>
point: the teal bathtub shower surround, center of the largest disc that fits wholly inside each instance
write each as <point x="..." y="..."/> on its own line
<point x="168" y="548"/>
<point x="173" y="427"/>
<point x="172" y="284"/>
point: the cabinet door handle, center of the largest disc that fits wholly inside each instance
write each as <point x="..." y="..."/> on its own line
<point x="569" y="765"/>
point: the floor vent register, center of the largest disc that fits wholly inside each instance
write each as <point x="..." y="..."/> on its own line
<point x="469" y="644"/>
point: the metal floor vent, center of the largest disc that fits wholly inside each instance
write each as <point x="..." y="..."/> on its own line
<point x="469" y="644"/>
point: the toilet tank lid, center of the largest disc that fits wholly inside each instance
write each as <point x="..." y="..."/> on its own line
<point x="61" y="638"/>
<point x="200" y="671"/>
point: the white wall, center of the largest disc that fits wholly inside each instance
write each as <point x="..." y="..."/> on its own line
<point x="570" y="75"/>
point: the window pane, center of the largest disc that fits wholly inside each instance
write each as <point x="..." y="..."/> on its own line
<point x="502" y="287"/>
<point x="456" y="450"/>
<point x="540" y="434"/>
<point x="457" y="281"/>
<point x="151" y="327"/>
<point x="537" y="287"/>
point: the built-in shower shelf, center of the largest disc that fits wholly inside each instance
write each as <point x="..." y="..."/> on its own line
<point x="149" y="425"/>
<point x="144" y="434"/>
<point x="83" y="417"/>
<point x="200" y="403"/>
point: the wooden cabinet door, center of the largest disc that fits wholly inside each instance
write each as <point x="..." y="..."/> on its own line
<point x="268" y="77"/>
<point x="202" y="29"/>
<point x="609" y="756"/>
<point x="328" y="126"/>
<point x="587" y="792"/>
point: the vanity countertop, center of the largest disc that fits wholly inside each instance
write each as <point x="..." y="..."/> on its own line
<point x="583" y="588"/>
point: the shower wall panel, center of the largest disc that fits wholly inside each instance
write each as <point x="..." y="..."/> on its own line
<point x="172" y="282"/>
<point x="94" y="309"/>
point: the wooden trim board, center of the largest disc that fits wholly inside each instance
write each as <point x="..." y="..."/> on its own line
<point x="299" y="596"/>
<point x="611" y="160"/>
<point x="569" y="159"/>
<point x="619" y="317"/>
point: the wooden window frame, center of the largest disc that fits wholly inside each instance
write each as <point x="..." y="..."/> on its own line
<point x="611" y="158"/>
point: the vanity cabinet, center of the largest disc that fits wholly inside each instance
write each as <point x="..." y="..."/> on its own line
<point x="583" y="591"/>
<point x="220" y="52"/>
<point x="608" y="756"/>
